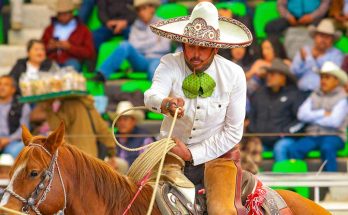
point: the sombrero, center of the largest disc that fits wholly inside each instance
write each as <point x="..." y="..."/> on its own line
<point x="205" y="28"/>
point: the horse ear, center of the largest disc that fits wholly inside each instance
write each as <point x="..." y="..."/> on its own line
<point x="55" y="139"/>
<point x="26" y="135"/>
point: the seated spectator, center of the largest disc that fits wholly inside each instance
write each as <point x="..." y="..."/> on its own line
<point x="274" y="108"/>
<point x="34" y="63"/>
<point x="144" y="49"/>
<point x="297" y="12"/>
<point x="240" y="56"/>
<point x="271" y="48"/>
<point x="13" y="115"/>
<point x="309" y="59"/>
<point x="127" y="125"/>
<point x="116" y="17"/>
<point x="325" y="111"/>
<point x="67" y="40"/>
<point x="339" y="11"/>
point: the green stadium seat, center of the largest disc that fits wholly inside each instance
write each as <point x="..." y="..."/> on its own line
<point x="264" y="13"/>
<point x="154" y="116"/>
<point x="237" y="8"/>
<point x="94" y="21"/>
<point x="292" y="166"/>
<point x="342" y="44"/>
<point x="134" y="85"/>
<point x="1" y="31"/>
<point x="171" y="10"/>
<point x="95" y="88"/>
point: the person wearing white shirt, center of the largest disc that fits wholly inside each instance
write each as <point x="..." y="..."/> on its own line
<point x="210" y="93"/>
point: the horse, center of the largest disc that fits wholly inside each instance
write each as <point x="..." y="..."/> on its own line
<point x="51" y="177"/>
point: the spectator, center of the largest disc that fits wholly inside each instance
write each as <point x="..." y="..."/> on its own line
<point x="240" y="56"/>
<point x="67" y="40"/>
<point x="276" y="104"/>
<point x="13" y="115"/>
<point x="35" y="62"/>
<point x="127" y="125"/>
<point x="297" y="12"/>
<point x="345" y="64"/>
<point x="339" y="11"/>
<point x="325" y="111"/>
<point x="144" y="48"/>
<point x="308" y="60"/>
<point x="116" y="18"/>
<point x="271" y="48"/>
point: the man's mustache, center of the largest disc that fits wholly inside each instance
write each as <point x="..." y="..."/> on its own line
<point x="196" y="59"/>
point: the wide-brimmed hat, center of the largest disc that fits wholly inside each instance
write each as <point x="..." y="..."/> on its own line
<point x="138" y="3"/>
<point x="325" y="26"/>
<point x="331" y="68"/>
<point x="205" y="28"/>
<point x="125" y="105"/>
<point x="65" y="6"/>
<point x="279" y="66"/>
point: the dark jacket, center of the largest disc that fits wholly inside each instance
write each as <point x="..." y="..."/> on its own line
<point x="275" y="112"/>
<point x="21" y="67"/>
<point x="81" y="41"/>
<point x="14" y="115"/>
<point x="111" y="9"/>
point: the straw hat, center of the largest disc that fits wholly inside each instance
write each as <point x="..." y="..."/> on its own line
<point x="331" y="68"/>
<point x="279" y="66"/>
<point x="65" y="6"/>
<point x="325" y="26"/>
<point x="205" y="28"/>
<point x="138" y="3"/>
<point x="125" y="105"/>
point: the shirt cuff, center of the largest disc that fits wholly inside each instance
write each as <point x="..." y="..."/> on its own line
<point x="156" y="103"/>
<point x="197" y="156"/>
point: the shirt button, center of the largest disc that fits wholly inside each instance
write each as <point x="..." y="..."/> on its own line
<point x="198" y="107"/>
<point x="219" y="106"/>
<point x="197" y="119"/>
<point x="194" y="129"/>
<point x="190" y="137"/>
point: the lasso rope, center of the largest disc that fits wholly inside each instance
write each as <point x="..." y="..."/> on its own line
<point x="155" y="152"/>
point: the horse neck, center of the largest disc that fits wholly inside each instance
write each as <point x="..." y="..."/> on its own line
<point x="93" y="183"/>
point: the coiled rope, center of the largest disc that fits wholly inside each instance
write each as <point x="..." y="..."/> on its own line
<point x="154" y="153"/>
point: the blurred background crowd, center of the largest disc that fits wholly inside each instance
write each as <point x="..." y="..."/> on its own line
<point x="296" y="72"/>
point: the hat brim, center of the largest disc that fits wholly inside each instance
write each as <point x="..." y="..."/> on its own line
<point x="312" y="30"/>
<point x="233" y="33"/>
<point x="287" y="73"/>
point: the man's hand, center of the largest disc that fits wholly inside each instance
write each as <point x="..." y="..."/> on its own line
<point x="169" y="105"/>
<point x="181" y="150"/>
<point x="52" y="44"/>
<point x="4" y="141"/>
<point x="120" y="26"/>
<point x="64" y="45"/>
<point x="327" y="113"/>
<point x="303" y="54"/>
<point x="306" y="19"/>
<point x="111" y="24"/>
<point x="292" y="20"/>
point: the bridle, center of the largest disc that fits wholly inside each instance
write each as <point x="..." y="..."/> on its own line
<point x="33" y="202"/>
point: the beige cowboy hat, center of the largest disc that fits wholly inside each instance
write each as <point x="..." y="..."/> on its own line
<point x="325" y="26"/>
<point x="331" y="68"/>
<point x="138" y="3"/>
<point x="65" y="6"/>
<point x="205" y="28"/>
<point x="125" y="105"/>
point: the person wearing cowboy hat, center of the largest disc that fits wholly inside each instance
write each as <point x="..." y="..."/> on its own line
<point x="210" y="92"/>
<point x="277" y="104"/>
<point x="143" y="49"/>
<point x="325" y="112"/>
<point x="127" y="125"/>
<point x="67" y="40"/>
<point x="308" y="60"/>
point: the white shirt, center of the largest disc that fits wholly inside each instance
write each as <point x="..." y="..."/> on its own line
<point x="210" y="126"/>
<point x="32" y="71"/>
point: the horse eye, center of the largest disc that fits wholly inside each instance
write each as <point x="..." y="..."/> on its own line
<point x="34" y="173"/>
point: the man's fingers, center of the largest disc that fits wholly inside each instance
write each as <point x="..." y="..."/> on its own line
<point x="180" y="102"/>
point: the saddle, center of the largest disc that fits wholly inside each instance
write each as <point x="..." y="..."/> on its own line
<point x="177" y="195"/>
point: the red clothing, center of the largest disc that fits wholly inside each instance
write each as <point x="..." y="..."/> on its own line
<point x="345" y="64"/>
<point x="81" y="42"/>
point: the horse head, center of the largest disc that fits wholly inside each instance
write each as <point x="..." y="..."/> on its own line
<point x="36" y="185"/>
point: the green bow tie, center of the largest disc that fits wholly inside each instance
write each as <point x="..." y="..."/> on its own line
<point x="200" y="84"/>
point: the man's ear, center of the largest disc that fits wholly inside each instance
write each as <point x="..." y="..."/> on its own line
<point x="26" y="135"/>
<point x="55" y="139"/>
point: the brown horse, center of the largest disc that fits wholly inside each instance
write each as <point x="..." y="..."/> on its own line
<point x="49" y="177"/>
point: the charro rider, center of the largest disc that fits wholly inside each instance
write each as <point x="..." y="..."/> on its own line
<point x="211" y="95"/>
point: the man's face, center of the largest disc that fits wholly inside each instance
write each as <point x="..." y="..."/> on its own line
<point x="126" y="124"/>
<point x="328" y="83"/>
<point x="7" y="88"/>
<point x="146" y="13"/>
<point x="275" y="79"/>
<point x="198" y="57"/>
<point x="323" y="41"/>
<point x="65" y="17"/>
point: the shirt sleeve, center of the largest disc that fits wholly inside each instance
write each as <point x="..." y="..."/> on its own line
<point x="337" y="116"/>
<point x="322" y="9"/>
<point x="306" y="114"/>
<point x="282" y="8"/>
<point x="299" y="66"/>
<point x="232" y="132"/>
<point x="161" y="86"/>
<point x="17" y="135"/>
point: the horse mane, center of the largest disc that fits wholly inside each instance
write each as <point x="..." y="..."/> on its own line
<point x="114" y="189"/>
